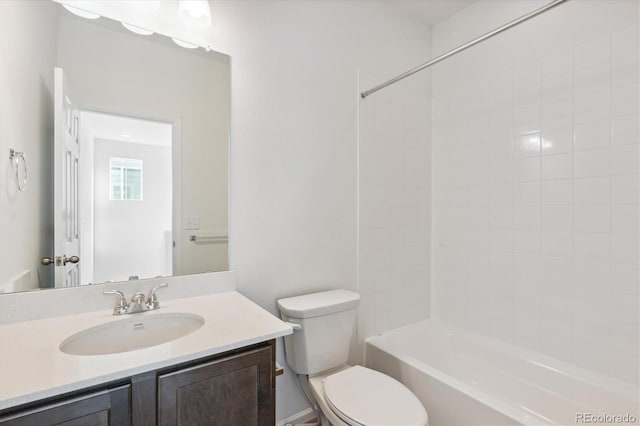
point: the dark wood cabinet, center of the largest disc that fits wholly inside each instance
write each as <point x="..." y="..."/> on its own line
<point x="234" y="388"/>
<point x="104" y="408"/>
<point x="231" y="391"/>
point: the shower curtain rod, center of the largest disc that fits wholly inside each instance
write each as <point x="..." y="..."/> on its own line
<point x="465" y="46"/>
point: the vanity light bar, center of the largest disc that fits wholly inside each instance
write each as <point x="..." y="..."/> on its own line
<point x="133" y="28"/>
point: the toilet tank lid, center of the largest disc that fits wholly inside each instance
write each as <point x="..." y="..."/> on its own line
<point x="316" y="304"/>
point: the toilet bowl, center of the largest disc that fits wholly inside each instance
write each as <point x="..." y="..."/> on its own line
<point x="360" y="396"/>
<point x="319" y="349"/>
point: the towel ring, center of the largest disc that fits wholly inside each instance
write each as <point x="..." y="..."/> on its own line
<point x="18" y="157"/>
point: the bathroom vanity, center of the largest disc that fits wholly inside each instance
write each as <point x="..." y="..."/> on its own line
<point x="222" y="373"/>
<point x="236" y="387"/>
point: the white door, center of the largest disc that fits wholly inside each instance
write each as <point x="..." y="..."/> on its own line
<point x="66" y="153"/>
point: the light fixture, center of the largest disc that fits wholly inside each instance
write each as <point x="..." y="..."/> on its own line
<point x="80" y="12"/>
<point x="136" y="29"/>
<point x="184" y="44"/>
<point x="195" y="13"/>
<point x="125" y="135"/>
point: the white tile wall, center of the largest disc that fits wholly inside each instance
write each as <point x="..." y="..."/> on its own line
<point x="394" y="205"/>
<point x="535" y="181"/>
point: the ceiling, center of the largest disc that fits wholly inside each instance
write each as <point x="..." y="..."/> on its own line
<point x="431" y="12"/>
<point x="125" y="129"/>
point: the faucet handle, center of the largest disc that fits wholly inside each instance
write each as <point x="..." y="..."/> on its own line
<point x="152" y="301"/>
<point x="121" y="305"/>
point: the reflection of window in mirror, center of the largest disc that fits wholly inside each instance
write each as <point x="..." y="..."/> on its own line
<point x="125" y="181"/>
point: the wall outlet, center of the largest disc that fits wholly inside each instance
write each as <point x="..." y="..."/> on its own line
<point x="191" y="222"/>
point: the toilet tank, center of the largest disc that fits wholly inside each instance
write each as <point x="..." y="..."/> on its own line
<point x="327" y="321"/>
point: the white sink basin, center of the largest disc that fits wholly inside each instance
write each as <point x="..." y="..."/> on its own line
<point x="138" y="332"/>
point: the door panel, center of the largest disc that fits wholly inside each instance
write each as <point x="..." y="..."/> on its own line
<point x="237" y="390"/>
<point x="66" y="166"/>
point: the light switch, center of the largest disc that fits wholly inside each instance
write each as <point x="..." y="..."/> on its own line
<point x="191" y="222"/>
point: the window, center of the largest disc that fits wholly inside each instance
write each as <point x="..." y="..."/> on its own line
<point x="125" y="179"/>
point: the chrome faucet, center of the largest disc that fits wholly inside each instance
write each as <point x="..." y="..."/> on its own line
<point x="138" y="301"/>
<point x="121" y="305"/>
<point x="137" y="304"/>
<point x="152" y="301"/>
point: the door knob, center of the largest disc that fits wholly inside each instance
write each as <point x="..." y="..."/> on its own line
<point x="59" y="260"/>
<point x="71" y="259"/>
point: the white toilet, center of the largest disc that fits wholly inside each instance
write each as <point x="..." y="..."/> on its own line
<point x="346" y="395"/>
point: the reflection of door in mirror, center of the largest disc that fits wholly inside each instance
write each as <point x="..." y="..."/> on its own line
<point x="103" y="214"/>
<point x="66" y="167"/>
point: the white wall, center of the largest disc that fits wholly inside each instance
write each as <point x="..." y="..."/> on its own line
<point x="535" y="180"/>
<point x="27" y="57"/>
<point x="130" y="236"/>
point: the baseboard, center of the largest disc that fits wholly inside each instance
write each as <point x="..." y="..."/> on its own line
<point x="299" y="417"/>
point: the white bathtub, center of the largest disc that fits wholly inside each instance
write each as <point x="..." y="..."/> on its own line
<point x="464" y="378"/>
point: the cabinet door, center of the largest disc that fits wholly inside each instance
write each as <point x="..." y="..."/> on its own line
<point x="105" y="408"/>
<point x="236" y="390"/>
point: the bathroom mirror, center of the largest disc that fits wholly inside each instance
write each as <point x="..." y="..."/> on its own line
<point x="114" y="152"/>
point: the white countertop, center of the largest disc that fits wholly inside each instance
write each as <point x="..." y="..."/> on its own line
<point x="32" y="367"/>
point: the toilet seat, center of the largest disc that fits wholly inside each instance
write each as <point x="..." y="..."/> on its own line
<point x="364" y="397"/>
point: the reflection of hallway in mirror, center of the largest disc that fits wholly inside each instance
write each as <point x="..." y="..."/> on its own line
<point x="126" y="170"/>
